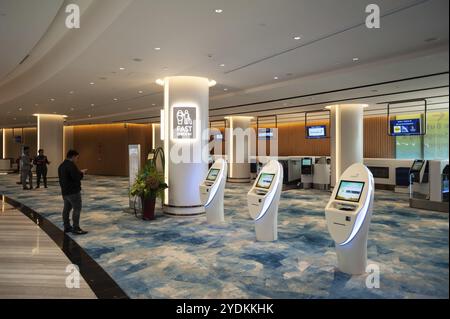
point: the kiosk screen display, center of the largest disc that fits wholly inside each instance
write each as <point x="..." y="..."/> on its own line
<point x="212" y="175"/>
<point x="265" y="180"/>
<point x="307" y="161"/>
<point x="318" y="131"/>
<point x="417" y="165"/>
<point x="350" y="191"/>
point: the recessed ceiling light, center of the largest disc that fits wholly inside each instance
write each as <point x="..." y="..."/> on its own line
<point x="355" y="59"/>
<point x="218" y="10"/>
<point x="297" y="37"/>
<point x="115" y="99"/>
<point x="275" y="77"/>
<point x="92" y="83"/>
<point x="129" y="108"/>
<point x="71" y="92"/>
<point x="121" y="68"/>
<point x="92" y="104"/>
<point x="89" y="115"/>
<point x="20" y="109"/>
<point x="36" y="104"/>
<point x="140" y="92"/>
<point x="52" y="99"/>
<point x="222" y="65"/>
<point x="72" y="109"/>
<point x="153" y="104"/>
<point x="157" y="48"/>
<point x="225" y="89"/>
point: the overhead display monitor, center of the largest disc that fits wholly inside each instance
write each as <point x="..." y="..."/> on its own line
<point x="212" y="175"/>
<point x="265" y="180"/>
<point x="265" y="133"/>
<point x="350" y="191"/>
<point x="306" y="161"/>
<point x="417" y="165"/>
<point x="317" y="131"/>
<point x="405" y="127"/>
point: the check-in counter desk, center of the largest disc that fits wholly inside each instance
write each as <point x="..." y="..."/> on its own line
<point x="390" y="173"/>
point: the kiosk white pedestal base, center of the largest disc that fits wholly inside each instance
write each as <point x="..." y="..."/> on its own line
<point x="212" y="192"/>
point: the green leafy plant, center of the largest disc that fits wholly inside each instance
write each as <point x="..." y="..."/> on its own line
<point x="149" y="183"/>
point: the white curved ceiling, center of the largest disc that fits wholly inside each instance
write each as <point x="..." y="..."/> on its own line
<point x="253" y="39"/>
<point x="22" y="25"/>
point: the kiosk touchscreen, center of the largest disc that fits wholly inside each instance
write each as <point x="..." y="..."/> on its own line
<point x="263" y="199"/>
<point x="348" y="215"/>
<point x="212" y="191"/>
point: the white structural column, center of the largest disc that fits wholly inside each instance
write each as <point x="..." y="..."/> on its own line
<point x="346" y="137"/>
<point x="185" y="134"/>
<point x="156" y="136"/>
<point x="50" y="131"/>
<point x="238" y="137"/>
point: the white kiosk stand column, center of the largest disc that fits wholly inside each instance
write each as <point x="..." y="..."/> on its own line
<point x="185" y="127"/>
<point x="212" y="191"/>
<point x="263" y="199"/>
<point x="50" y="137"/>
<point x="156" y="136"/>
<point x="346" y="137"/>
<point x="348" y="215"/>
<point x="237" y="149"/>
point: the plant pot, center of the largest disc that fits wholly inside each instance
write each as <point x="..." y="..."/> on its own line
<point x="148" y="208"/>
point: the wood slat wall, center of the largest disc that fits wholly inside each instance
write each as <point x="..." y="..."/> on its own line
<point x="377" y="142"/>
<point x="104" y="148"/>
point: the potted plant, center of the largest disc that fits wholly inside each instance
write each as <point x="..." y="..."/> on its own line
<point x="148" y="186"/>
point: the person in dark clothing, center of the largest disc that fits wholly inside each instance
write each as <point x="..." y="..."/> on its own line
<point x="41" y="163"/>
<point x="25" y="168"/>
<point x="70" y="181"/>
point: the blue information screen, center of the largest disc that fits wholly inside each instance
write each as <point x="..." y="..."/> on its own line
<point x="318" y="131"/>
<point x="265" y="133"/>
<point x="405" y="127"/>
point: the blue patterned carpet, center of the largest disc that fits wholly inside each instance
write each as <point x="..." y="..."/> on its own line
<point x="187" y="258"/>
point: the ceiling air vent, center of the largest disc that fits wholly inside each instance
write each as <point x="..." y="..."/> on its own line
<point x="23" y="60"/>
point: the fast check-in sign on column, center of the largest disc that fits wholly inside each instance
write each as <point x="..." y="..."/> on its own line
<point x="184" y="119"/>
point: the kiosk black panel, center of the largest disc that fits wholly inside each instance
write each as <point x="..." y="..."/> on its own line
<point x="402" y="176"/>
<point x="307" y="166"/>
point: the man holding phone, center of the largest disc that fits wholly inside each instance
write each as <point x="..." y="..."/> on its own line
<point x="70" y="181"/>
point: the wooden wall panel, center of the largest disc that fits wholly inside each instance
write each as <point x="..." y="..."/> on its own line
<point x="377" y="143"/>
<point x="104" y="148"/>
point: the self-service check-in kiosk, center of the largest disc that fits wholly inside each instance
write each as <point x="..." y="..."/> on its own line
<point x="307" y="172"/>
<point x="263" y="199"/>
<point x="348" y="215"/>
<point x="418" y="173"/>
<point x="212" y="191"/>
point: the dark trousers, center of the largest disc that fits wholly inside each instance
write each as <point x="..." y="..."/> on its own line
<point x="72" y="202"/>
<point x="23" y="178"/>
<point x="41" y="172"/>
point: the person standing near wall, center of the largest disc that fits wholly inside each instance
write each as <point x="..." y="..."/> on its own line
<point x="70" y="181"/>
<point x="41" y="163"/>
<point x="25" y="168"/>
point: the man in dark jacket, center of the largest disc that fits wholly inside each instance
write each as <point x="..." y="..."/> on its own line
<point x="41" y="163"/>
<point x="70" y="181"/>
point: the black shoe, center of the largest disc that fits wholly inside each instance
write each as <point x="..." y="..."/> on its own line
<point x="68" y="229"/>
<point x="79" y="231"/>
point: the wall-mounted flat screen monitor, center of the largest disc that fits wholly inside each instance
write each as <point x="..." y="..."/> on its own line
<point x="265" y="180"/>
<point x="265" y="133"/>
<point x="350" y="191"/>
<point x="317" y="131"/>
<point x="306" y="161"/>
<point x="417" y="165"/>
<point x="405" y="127"/>
<point x="212" y="175"/>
